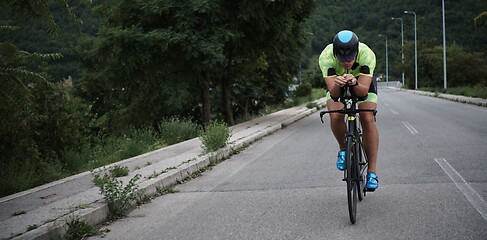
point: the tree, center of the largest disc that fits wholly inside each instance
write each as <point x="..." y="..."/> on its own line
<point x="481" y="20"/>
<point x="31" y="114"/>
<point x="154" y="59"/>
<point x="159" y="58"/>
<point x="269" y="36"/>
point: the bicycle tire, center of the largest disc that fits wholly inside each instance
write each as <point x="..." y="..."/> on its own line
<point x="351" y="177"/>
<point x="360" y="170"/>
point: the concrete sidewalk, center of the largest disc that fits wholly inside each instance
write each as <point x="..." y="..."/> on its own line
<point x="46" y="209"/>
<point x="470" y="100"/>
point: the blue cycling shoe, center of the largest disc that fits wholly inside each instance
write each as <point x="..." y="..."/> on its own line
<point x="341" y="160"/>
<point x="372" y="181"/>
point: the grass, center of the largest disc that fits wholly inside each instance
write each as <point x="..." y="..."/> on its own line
<point x="100" y="152"/>
<point x="32" y="227"/>
<point x="119" y="171"/>
<point x="176" y="130"/>
<point x="19" y="213"/>
<point x="166" y="190"/>
<point x="476" y="92"/>
<point x="106" y="150"/>
<point x="316" y="93"/>
<point x="78" y="229"/>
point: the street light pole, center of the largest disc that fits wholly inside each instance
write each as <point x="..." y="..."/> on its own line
<point x="415" y="52"/>
<point x="402" y="46"/>
<point x="387" y="61"/>
<point x="444" y="44"/>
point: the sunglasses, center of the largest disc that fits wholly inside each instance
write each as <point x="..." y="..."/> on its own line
<point x="346" y="58"/>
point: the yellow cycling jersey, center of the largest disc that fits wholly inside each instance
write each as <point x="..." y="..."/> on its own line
<point x="364" y="62"/>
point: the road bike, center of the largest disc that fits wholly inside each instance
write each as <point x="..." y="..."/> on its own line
<point x="355" y="156"/>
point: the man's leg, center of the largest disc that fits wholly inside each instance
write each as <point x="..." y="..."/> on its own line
<point x="337" y="122"/>
<point x="370" y="137"/>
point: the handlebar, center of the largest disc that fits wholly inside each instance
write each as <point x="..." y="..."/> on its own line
<point x="347" y="111"/>
<point x="347" y="95"/>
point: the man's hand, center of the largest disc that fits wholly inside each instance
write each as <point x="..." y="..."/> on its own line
<point x="340" y="81"/>
<point x="346" y="79"/>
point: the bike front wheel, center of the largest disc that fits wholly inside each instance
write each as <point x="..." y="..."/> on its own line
<point x="351" y="179"/>
<point x="362" y="166"/>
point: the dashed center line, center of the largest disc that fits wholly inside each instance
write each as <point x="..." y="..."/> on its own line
<point x="394" y="112"/>
<point x="410" y="128"/>
<point x="472" y="196"/>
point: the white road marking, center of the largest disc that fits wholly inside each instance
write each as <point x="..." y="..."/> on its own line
<point x="394" y="112"/>
<point x="410" y="128"/>
<point x="473" y="197"/>
<point x="387" y="104"/>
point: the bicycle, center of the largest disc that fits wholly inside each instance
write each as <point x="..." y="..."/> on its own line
<point x="355" y="156"/>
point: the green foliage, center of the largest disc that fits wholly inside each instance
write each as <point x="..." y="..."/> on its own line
<point x="311" y="105"/>
<point x="32" y="227"/>
<point x="115" y="148"/>
<point x="175" y="130"/>
<point x="120" y="198"/>
<point x="146" y="52"/>
<point x="39" y="120"/>
<point x="119" y="171"/>
<point x="215" y="136"/>
<point x="304" y="89"/>
<point x="481" y="20"/>
<point x="24" y="11"/>
<point x="19" y="213"/>
<point x="478" y="91"/>
<point x="78" y="229"/>
<point x="464" y="68"/>
<point x="369" y="20"/>
<point x="166" y="190"/>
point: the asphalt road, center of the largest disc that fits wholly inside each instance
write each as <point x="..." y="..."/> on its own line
<point x="432" y="172"/>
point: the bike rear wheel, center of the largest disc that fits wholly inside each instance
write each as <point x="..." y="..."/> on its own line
<point x="351" y="179"/>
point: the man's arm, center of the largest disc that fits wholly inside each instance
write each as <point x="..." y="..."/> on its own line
<point x="332" y="83"/>
<point x="361" y="85"/>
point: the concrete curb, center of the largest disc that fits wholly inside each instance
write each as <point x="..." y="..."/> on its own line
<point x="97" y="212"/>
<point x="456" y="98"/>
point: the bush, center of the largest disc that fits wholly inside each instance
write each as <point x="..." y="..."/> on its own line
<point x="304" y="89"/>
<point x="176" y="130"/>
<point x="119" y="198"/>
<point x="215" y="136"/>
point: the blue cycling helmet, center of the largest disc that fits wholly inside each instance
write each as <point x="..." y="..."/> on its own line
<point x="345" y="45"/>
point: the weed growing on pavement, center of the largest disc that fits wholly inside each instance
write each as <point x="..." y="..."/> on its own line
<point x="312" y="105"/>
<point x="215" y="136"/>
<point x="120" y="198"/>
<point x="156" y="174"/>
<point x="32" y="227"/>
<point x="144" y="199"/>
<point x="82" y="206"/>
<point x="19" y="213"/>
<point x="119" y="171"/>
<point x="165" y="190"/>
<point x="78" y="229"/>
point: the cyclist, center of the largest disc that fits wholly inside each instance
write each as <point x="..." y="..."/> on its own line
<point x="347" y="61"/>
